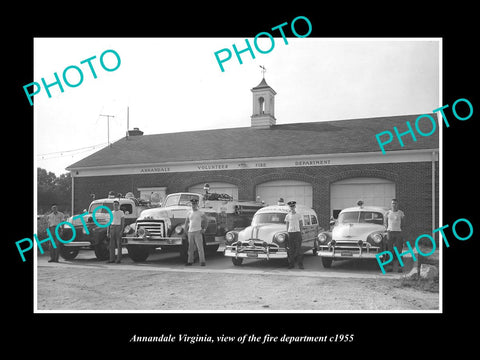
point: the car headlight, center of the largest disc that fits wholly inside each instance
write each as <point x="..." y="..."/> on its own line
<point x="377" y="238"/>
<point x="178" y="229"/>
<point x="280" y="238"/>
<point x="322" y="237"/>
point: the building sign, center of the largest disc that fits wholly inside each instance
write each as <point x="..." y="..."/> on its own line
<point x="265" y="163"/>
<point x="155" y="169"/>
<point x="312" y="162"/>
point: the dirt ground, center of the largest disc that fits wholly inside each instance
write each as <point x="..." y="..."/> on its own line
<point x="67" y="287"/>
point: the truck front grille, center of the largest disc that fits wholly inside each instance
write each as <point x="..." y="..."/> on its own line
<point x="154" y="228"/>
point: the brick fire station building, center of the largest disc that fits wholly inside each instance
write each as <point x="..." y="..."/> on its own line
<point x="327" y="165"/>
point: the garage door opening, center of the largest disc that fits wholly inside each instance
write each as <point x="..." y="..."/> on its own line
<point x="271" y="191"/>
<point x="372" y="191"/>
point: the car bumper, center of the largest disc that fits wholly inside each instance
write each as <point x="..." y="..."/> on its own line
<point x="78" y="244"/>
<point x="346" y="254"/>
<point x="231" y="251"/>
<point x="169" y="241"/>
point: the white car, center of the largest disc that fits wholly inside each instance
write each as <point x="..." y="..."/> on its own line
<point x="358" y="233"/>
<point x="266" y="237"/>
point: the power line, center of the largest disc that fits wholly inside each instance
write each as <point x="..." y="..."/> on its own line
<point x="67" y="152"/>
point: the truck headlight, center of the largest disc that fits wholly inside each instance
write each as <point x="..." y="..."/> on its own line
<point x="229" y="237"/>
<point x="322" y="237"/>
<point x="142" y="233"/>
<point x="178" y="229"/>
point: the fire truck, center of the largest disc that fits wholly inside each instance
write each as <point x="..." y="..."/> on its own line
<point x="162" y="228"/>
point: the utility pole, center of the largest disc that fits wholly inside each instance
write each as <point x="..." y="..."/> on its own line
<point x="108" y="127"/>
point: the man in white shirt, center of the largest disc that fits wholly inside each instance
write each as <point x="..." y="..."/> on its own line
<point x="294" y="240"/>
<point x="195" y="226"/>
<point x="394" y="223"/>
<point x="53" y="219"/>
<point x="115" y="231"/>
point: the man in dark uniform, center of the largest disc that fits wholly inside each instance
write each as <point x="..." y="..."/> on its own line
<point x="294" y="241"/>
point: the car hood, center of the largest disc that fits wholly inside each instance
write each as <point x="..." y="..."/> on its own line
<point x="262" y="232"/>
<point x="355" y="231"/>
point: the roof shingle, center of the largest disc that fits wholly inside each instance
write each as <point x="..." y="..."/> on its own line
<point x="325" y="137"/>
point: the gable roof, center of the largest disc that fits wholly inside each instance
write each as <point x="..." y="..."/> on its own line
<point x="325" y="137"/>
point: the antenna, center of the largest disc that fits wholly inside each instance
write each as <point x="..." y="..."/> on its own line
<point x="128" y="121"/>
<point x="108" y="127"/>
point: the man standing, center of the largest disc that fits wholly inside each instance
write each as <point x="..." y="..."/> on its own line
<point x="294" y="241"/>
<point x="115" y="231"/>
<point x="195" y="226"/>
<point x="53" y="219"/>
<point x="394" y="223"/>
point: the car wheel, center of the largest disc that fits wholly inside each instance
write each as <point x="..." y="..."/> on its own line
<point x="327" y="262"/>
<point x="138" y="253"/>
<point x="68" y="253"/>
<point x="237" y="261"/>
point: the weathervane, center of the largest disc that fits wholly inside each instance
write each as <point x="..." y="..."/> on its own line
<point x="264" y="69"/>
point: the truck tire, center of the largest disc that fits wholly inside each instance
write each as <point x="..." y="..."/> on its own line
<point x="327" y="262"/>
<point x="315" y="248"/>
<point x="68" y="252"/>
<point x="101" y="246"/>
<point x="138" y="253"/>
<point x="237" y="261"/>
<point x="184" y="250"/>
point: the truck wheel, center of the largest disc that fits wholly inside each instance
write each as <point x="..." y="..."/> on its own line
<point x="327" y="262"/>
<point x="237" y="261"/>
<point x="138" y="253"/>
<point x="184" y="250"/>
<point x="211" y="249"/>
<point x="101" y="247"/>
<point x="68" y="253"/>
<point x="315" y="249"/>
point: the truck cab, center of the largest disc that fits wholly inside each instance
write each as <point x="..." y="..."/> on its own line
<point x="97" y="238"/>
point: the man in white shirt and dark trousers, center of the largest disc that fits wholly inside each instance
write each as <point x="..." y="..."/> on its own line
<point x="53" y="219"/>
<point x="195" y="226"/>
<point x="294" y="240"/>
<point x="115" y="231"/>
<point x="394" y="223"/>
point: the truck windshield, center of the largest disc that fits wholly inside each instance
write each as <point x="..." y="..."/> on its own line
<point x="371" y="217"/>
<point x="269" y="218"/>
<point x="95" y="205"/>
<point x="185" y="199"/>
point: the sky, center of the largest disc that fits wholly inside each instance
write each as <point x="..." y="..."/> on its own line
<point x="175" y="84"/>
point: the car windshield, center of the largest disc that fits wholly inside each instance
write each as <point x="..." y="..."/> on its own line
<point x="371" y="217"/>
<point x="269" y="218"/>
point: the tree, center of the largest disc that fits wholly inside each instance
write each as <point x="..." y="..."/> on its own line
<point x="52" y="189"/>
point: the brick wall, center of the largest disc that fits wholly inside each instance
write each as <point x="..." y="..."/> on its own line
<point x="413" y="186"/>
